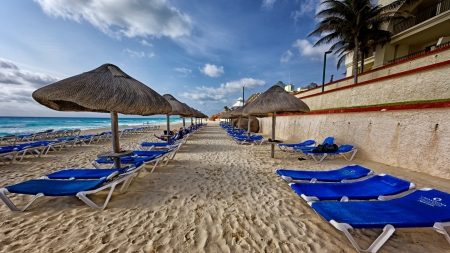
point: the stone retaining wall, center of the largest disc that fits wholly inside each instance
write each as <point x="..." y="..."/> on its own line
<point x="418" y="140"/>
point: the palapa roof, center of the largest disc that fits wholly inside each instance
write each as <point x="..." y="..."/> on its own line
<point x="253" y="97"/>
<point x="190" y="110"/>
<point x="104" y="89"/>
<point x="238" y="111"/>
<point x="275" y="99"/>
<point x="178" y="108"/>
<point x="227" y="115"/>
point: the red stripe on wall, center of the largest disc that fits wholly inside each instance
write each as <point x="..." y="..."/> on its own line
<point x="383" y="67"/>
<point x="431" y="105"/>
<point x="436" y="65"/>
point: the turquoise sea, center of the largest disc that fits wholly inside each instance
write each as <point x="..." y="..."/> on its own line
<point x="26" y="125"/>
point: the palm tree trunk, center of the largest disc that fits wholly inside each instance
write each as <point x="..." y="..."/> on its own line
<point x="355" y="61"/>
<point x="362" y="62"/>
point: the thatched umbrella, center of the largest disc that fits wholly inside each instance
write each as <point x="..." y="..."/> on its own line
<point x="188" y="114"/>
<point x="197" y="115"/>
<point x="226" y="116"/>
<point x="202" y="116"/>
<point x="239" y="112"/>
<point x="274" y="100"/>
<point x="104" y="89"/>
<point x="178" y="108"/>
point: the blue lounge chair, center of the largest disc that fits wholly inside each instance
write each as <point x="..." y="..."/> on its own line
<point x="349" y="172"/>
<point x="155" y="145"/>
<point x="8" y="140"/>
<point x="8" y="154"/>
<point x="33" y="148"/>
<point x="420" y="209"/>
<point x="155" y="159"/>
<point x="290" y="146"/>
<point x="56" y="188"/>
<point x="91" y="173"/>
<point x="329" y="140"/>
<point x="254" y="139"/>
<point x="343" y="150"/>
<point x="375" y="187"/>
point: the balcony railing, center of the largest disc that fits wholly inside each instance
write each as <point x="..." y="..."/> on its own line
<point x="418" y="53"/>
<point x="422" y="16"/>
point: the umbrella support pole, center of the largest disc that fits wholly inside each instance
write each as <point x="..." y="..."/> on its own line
<point x="115" y="137"/>
<point x="184" y="124"/>
<point x="272" y="149"/>
<point x="168" y="127"/>
<point x="248" y="127"/>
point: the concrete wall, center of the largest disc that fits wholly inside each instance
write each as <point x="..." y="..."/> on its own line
<point x="409" y="139"/>
<point x="432" y="84"/>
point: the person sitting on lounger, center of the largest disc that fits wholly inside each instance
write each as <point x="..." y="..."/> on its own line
<point x="164" y="137"/>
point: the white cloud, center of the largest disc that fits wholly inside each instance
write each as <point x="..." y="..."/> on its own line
<point x="145" y="43"/>
<point x="286" y="56"/>
<point x="151" y="55"/>
<point x="307" y="8"/>
<point x="305" y="48"/>
<point x="186" y="72"/>
<point x="134" y="53"/>
<point x="17" y="85"/>
<point x="123" y="18"/>
<point x="268" y="4"/>
<point x="11" y="75"/>
<point x="212" y="70"/>
<point x="218" y="94"/>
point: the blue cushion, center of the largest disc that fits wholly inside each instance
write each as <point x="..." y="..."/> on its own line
<point x="418" y="209"/>
<point x="54" y="187"/>
<point x="370" y="188"/>
<point x="348" y="172"/>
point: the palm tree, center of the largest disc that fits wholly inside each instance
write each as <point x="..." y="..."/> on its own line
<point x="355" y="25"/>
<point x="225" y="108"/>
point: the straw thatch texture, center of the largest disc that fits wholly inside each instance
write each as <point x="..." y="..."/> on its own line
<point x="275" y="99"/>
<point x="191" y="111"/>
<point x="197" y="114"/>
<point x="243" y="124"/>
<point x="178" y="108"/>
<point x="104" y="89"/>
<point x="227" y="115"/>
<point x="238" y="111"/>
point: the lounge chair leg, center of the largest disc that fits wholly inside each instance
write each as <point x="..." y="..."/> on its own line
<point x="96" y="165"/>
<point x="11" y="205"/>
<point x="83" y="195"/>
<point x="388" y="230"/>
<point x="440" y="228"/>
<point x="156" y="163"/>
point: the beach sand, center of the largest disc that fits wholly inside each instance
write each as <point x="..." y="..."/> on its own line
<point x="215" y="196"/>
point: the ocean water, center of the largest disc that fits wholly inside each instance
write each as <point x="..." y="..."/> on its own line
<point x="27" y="125"/>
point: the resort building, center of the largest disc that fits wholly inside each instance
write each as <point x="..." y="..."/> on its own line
<point x="428" y="30"/>
<point x="239" y="103"/>
<point x="289" y="88"/>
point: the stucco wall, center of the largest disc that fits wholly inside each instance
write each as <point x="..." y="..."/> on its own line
<point x="433" y="84"/>
<point x="431" y="58"/>
<point x="418" y="140"/>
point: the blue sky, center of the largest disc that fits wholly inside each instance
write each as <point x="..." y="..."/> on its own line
<point x="200" y="51"/>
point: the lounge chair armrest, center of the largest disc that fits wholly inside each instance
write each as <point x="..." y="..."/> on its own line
<point x="396" y="196"/>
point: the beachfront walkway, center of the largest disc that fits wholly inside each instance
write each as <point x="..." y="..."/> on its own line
<point x="216" y="196"/>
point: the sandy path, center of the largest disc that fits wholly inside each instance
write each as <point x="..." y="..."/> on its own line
<point x="215" y="196"/>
